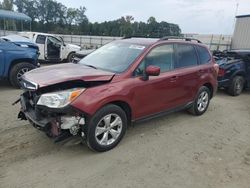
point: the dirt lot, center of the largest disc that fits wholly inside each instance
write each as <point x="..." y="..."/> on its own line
<point x="175" y="151"/>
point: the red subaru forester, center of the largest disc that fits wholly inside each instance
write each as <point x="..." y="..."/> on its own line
<point x="120" y="83"/>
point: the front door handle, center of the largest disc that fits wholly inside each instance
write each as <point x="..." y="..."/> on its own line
<point x="173" y="79"/>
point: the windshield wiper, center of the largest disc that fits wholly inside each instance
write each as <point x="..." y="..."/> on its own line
<point x="90" y="66"/>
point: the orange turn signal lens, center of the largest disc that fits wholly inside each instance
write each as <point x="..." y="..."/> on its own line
<point x="75" y="94"/>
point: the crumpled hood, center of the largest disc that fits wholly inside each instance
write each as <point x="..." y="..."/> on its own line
<point x="54" y="74"/>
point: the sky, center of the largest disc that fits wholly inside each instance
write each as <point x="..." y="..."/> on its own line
<point x="193" y="16"/>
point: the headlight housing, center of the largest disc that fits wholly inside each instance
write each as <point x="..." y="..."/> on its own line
<point x="59" y="99"/>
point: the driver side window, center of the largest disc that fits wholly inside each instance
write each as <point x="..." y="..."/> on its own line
<point x="161" y="56"/>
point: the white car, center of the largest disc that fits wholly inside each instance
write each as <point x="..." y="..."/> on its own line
<point x="51" y="47"/>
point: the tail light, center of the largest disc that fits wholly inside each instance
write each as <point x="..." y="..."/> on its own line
<point x="216" y="68"/>
<point x="221" y="72"/>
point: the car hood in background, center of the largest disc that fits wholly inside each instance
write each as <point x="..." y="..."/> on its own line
<point x="83" y="53"/>
<point x="20" y="41"/>
<point x="73" y="46"/>
<point x="16" y="38"/>
<point x="54" y="74"/>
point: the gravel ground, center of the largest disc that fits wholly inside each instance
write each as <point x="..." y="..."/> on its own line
<point x="175" y="151"/>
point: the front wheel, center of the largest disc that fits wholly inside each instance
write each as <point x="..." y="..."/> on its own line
<point x="106" y="128"/>
<point x="201" y="102"/>
<point x="17" y="71"/>
<point x="70" y="57"/>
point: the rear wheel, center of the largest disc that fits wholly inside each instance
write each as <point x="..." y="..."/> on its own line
<point x="201" y="102"/>
<point x="106" y="128"/>
<point x="17" y="71"/>
<point x="236" y="86"/>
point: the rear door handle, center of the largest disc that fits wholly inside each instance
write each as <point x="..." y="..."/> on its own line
<point x="173" y="79"/>
<point x="201" y="71"/>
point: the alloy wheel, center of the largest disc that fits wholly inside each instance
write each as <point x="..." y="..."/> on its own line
<point x="22" y="72"/>
<point x="202" y="101"/>
<point x="108" y="129"/>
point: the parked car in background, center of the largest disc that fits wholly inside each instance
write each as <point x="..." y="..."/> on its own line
<point x="122" y="82"/>
<point x="234" y="70"/>
<point x="81" y="54"/>
<point x="52" y="48"/>
<point x="20" y="41"/>
<point x="15" y="60"/>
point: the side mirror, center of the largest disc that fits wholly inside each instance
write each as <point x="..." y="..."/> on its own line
<point x="151" y="71"/>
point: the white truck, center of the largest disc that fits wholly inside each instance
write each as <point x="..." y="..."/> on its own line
<point x="52" y="48"/>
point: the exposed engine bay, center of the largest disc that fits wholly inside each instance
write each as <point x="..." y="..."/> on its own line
<point x="57" y="123"/>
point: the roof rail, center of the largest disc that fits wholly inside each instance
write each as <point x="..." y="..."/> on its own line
<point x="180" y="38"/>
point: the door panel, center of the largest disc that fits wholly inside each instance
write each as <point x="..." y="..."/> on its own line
<point x="46" y="49"/>
<point x="188" y="72"/>
<point x="155" y="95"/>
<point x="188" y="80"/>
<point x="248" y="71"/>
<point x="158" y="93"/>
<point x="40" y="41"/>
<point x="53" y="48"/>
<point x="2" y="64"/>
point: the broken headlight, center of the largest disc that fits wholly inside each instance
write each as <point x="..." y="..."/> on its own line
<point x="59" y="99"/>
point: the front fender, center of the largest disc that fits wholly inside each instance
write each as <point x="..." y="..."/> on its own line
<point x="95" y="98"/>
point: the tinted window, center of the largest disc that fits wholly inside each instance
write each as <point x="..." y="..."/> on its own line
<point x="203" y="54"/>
<point x="186" y="56"/>
<point x="40" y="39"/>
<point x="54" y="40"/>
<point x="161" y="56"/>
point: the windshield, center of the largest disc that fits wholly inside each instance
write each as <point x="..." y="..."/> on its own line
<point x="114" y="57"/>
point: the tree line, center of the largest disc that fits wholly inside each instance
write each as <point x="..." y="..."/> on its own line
<point x="54" y="17"/>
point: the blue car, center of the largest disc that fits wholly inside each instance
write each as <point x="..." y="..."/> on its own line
<point x="234" y="70"/>
<point x="17" y="58"/>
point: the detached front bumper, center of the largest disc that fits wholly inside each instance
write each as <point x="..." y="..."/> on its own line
<point x="56" y="123"/>
<point x="223" y="83"/>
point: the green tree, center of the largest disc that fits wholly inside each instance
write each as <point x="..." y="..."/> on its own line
<point x="52" y="16"/>
<point x="28" y="7"/>
<point x="7" y="4"/>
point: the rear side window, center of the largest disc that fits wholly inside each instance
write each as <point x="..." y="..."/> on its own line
<point x="40" y="39"/>
<point x="203" y="55"/>
<point x="186" y="56"/>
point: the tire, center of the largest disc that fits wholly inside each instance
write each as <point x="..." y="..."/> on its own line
<point x="17" y="71"/>
<point x="70" y="57"/>
<point x="98" y="129"/>
<point x="201" y="102"/>
<point x="236" y="86"/>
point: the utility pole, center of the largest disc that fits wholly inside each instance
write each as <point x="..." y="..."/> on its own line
<point x="236" y="12"/>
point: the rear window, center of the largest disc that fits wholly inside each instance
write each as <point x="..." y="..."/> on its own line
<point x="40" y="39"/>
<point x="203" y="55"/>
<point x="186" y="56"/>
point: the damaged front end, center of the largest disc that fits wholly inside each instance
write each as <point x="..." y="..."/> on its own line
<point x="48" y="109"/>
